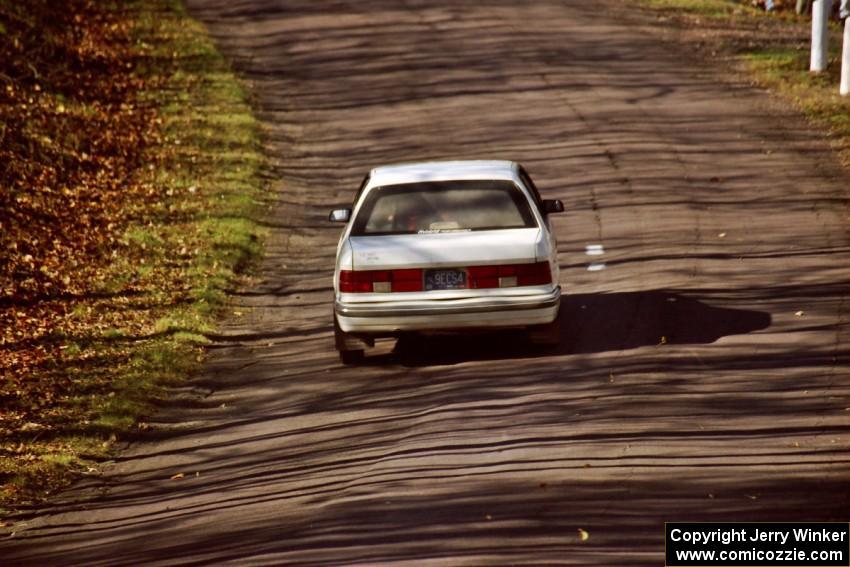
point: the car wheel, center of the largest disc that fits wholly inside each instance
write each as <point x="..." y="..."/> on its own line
<point x="351" y="356"/>
<point x="546" y="335"/>
<point x="347" y="346"/>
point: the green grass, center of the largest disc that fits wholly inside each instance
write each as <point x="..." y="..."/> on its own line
<point x="185" y="249"/>
<point x="203" y="108"/>
<point x="815" y="94"/>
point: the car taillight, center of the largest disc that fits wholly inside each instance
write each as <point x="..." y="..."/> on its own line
<point x="534" y="274"/>
<point x="407" y="280"/>
<point x="478" y="277"/>
<point x="380" y="281"/>
<point x="509" y="275"/>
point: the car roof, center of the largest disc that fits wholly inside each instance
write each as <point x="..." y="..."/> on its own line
<point x="442" y="171"/>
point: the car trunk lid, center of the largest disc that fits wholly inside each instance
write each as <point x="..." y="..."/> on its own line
<point x="444" y="249"/>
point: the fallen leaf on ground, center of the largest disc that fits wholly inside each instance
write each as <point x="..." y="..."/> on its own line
<point x="177" y="476"/>
<point x="583" y="535"/>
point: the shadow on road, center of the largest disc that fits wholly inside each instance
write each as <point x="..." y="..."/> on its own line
<point x="597" y="322"/>
<point x="421" y="528"/>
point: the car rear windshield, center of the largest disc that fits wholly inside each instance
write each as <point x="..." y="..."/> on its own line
<point x="445" y="206"/>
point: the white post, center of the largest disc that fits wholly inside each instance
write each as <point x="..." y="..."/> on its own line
<point x="820" y="35"/>
<point x="845" y="60"/>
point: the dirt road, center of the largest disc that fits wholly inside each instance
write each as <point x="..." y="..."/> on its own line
<point x="704" y="369"/>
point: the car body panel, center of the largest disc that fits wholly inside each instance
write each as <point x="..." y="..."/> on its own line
<point x="442" y="171"/>
<point x="445" y="249"/>
<point x="390" y="317"/>
<point x="454" y="309"/>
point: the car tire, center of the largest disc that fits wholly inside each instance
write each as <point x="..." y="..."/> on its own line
<point x="344" y="343"/>
<point x="548" y="335"/>
<point x="351" y="356"/>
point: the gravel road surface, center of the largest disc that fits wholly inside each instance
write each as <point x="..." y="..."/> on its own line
<point x="703" y="373"/>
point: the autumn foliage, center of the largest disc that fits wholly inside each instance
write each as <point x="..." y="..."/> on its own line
<point x="118" y="233"/>
<point x="72" y="136"/>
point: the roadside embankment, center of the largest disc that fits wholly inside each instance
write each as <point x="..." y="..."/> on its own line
<point x="771" y="49"/>
<point x="129" y="178"/>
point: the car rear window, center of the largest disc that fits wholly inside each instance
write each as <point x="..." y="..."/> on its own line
<point x="445" y="206"/>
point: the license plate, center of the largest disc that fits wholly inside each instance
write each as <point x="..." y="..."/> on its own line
<point x="445" y="279"/>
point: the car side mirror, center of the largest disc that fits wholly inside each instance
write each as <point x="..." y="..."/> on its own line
<point x="552" y="206"/>
<point x="340" y="215"/>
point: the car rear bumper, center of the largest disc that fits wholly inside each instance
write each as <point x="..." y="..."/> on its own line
<point x="445" y="314"/>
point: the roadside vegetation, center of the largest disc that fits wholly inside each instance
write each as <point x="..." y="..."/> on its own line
<point x="772" y="48"/>
<point x="129" y="175"/>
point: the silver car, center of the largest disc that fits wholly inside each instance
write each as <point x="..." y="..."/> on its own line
<point x="445" y="246"/>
